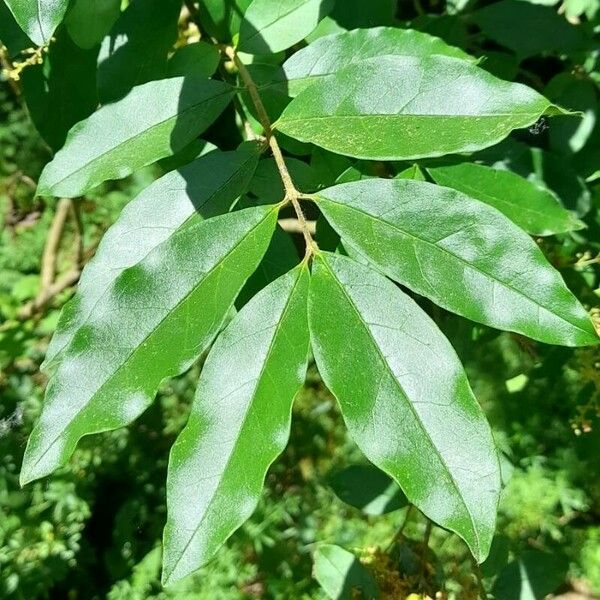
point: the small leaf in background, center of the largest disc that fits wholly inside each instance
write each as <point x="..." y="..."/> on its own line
<point x="239" y="424"/>
<point x="136" y="48"/>
<point x="413" y="172"/>
<point x="154" y="323"/>
<point x="369" y="489"/>
<point x="328" y="55"/>
<point x="405" y="397"/>
<point x="526" y="203"/>
<point x="155" y="120"/>
<point x="89" y="21"/>
<point x="498" y="557"/>
<point x="200" y="59"/>
<point x="38" y="19"/>
<point x="462" y="254"/>
<point x="444" y="105"/>
<point x="273" y="25"/>
<point x="341" y="574"/>
<point x="533" y="575"/>
<point x="206" y="187"/>
<point x="266" y="184"/>
<point x="222" y="19"/>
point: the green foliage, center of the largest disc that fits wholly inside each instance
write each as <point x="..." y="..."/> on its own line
<point x="406" y="152"/>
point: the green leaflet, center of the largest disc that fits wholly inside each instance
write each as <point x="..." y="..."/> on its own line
<point x="405" y="107"/>
<point x="463" y="254"/>
<point x="328" y="55"/>
<point x="38" y="19"/>
<point x="239" y="423"/>
<point x="270" y="26"/>
<point x="204" y="188"/>
<point x="199" y="58"/>
<point x="136" y="49"/>
<point x="526" y="203"/>
<point x="222" y="19"/>
<point x="152" y="322"/>
<point x="89" y="21"/>
<point x="155" y="120"/>
<point x="342" y="575"/>
<point x="405" y="397"/>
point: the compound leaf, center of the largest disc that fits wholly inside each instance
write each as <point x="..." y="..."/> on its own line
<point x="205" y="188"/>
<point x="405" y="397"/>
<point x="38" y="19"/>
<point x="273" y="25"/>
<point x="239" y="424"/>
<point x="328" y="55"/>
<point x="155" y="120"/>
<point x="152" y="322"/>
<point x="406" y="107"/>
<point x="461" y="253"/>
<point x="528" y="204"/>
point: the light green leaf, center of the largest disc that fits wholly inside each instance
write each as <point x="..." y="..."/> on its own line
<point x="38" y="19"/>
<point x="239" y="424"/>
<point x="341" y="574"/>
<point x="153" y="322"/>
<point x="526" y="203"/>
<point x="155" y="120"/>
<point x="204" y="188"/>
<point x="405" y="397"/>
<point x="328" y="55"/>
<point x="405" y="107"/>
<point x="89" y="21"/>
<point x="273" y="25"/>
<point x="461" y="253"/>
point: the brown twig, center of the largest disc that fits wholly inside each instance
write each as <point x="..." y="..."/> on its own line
<point x="49" y="257"/>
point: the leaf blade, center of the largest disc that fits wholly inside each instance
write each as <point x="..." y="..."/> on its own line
<point x="394" y="380"/>
<point x="236" y="441"/>
<point x="155" y="120"/>
<point x="464" y="255"/>
<point x="37" y="19"/>
<point x="444" y="105"/>
<point x="155" y="320"/>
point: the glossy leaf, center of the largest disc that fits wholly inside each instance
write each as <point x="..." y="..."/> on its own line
<point x="273" y="25"/>
<point x="239" y="424"/>
<point x="404" y="107"/>
<point x="462" y="254"/>
<point x="368" y="489"/>
<point x="38" y="19"/>
<point x="155" y="120"/>
<point x="89" y="21"/>
<point x="328" y="55"/>
<point x="526" y="203"/>
<point x="154" y="321"/>
<point x="205" y="188"/>
<point x="136" y="49"/>
<point x="341" y="574"/>
<point x="405" y="397"/>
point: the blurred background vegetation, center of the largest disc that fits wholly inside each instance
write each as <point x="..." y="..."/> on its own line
<point x="93" y="530"/>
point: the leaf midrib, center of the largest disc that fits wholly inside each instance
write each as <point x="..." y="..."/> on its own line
<point x="158" y="325"/>
<point x="458" y="258"/>
<point x="142" y="133"/>
<point x="244" y="419"/>
<point x="410" y="404"/>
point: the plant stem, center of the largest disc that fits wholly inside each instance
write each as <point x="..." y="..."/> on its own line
<point x="292" y="195"/>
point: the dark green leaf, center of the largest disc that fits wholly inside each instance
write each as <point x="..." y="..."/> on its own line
<point x="461" y="253"/>
<point x="404" y="107"/>
<point x="368" y="488"/>
<point x="155" y="319"/>
<point x="199" y="59"/>
<point x="239" y="424"/>
<point x="266" y="184"/>
<point x="155" y="120"/>
<point x="532" y="207"/>
<point x="89" y="21"/>
<point x="203" y="189"/>
<point x="11" y="35"/>
<point x="38" y="19"/>
<point x="222" y="18"/>
<point x="405" y="397"/>
<point x="273" y="25"/>
<point x="135" y="51"/>
<point x="331" y="54"/>
<point x="341" y="574"/>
